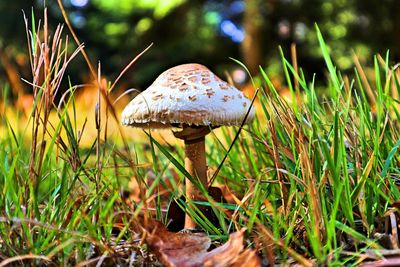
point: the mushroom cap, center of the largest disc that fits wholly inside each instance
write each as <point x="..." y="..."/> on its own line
<point x="187" y="94"/>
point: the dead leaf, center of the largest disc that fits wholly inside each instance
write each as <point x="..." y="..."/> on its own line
<point x="225" y="254"/>
<point x="247" y="258"/>
<point x="177" y="249"/>
<point x="231" y="253"/>
<point x="190" y="249"/>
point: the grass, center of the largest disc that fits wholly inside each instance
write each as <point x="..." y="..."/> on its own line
<point x="314" y="180"/>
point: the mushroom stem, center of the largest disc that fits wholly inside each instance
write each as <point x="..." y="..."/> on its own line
<point x="195" y="164"/>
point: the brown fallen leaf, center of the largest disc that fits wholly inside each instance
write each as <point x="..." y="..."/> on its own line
<point x="190" y="250"/>
<point x="227" y="253"/>
<point x="231" y="253"/>
<point x="176" y="249"/>
<point x="247" y="258"/>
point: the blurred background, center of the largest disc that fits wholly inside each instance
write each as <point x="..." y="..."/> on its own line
<point x="203" y="31"/>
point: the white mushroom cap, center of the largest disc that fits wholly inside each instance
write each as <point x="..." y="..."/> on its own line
<point x="187" y="94"/>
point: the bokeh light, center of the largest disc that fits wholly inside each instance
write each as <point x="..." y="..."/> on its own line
<point x="236" y="33"/>
<point x="79" y="3"/>
<point x="77" y="19"/>
<point x="239" y="76"/>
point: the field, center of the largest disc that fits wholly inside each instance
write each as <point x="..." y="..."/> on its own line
<point x="312" y="180"/>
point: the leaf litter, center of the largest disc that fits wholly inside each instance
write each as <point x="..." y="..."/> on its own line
<point x="184" y="249"/>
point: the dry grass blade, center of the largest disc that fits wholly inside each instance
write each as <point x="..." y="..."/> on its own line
<point x="125" y="93"/>
<point x="364" y="80"/>
<point x="394" y="226"/>
<point x="274" y="151"/>
<point x="90" y="262"/>
<point x="66" y="19"/>
<point x="299" y="258"/>
<point x="293" y="53"/>
<point x="100" y="89"/>
<point x="49" y="62"/>
<point x="128" y="66"/>
<point x="19" y="259"/>
<point x="392" y="262"/>
<point x="267" y="245"/>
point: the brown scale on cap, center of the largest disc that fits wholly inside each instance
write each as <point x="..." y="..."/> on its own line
<point x="205" y="74"/>
<point x="226" y="98"/>
<point x="244" y="104"/>
<point x="240" y="96"/>
<point x="223" y="86"/>
<point x="188" y="73"/>
<point x="183" y="87"/>
<point x="193" y="79"/>
<point x="192" y="98"/>
<point x="205" y="80"/>
<point x="157" y="97"/>
<point x="177" y="79"/>
<point x="209" y="92"/>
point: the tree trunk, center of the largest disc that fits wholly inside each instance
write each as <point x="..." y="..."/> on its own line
<point x="252" y="43"/>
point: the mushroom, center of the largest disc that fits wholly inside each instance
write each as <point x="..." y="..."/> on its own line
<point x="190" y="97"/>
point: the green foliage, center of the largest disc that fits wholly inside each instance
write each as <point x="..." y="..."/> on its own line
<point x="185" y="31"/>
<point x="125" y="7"/>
